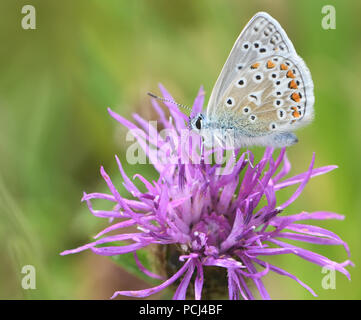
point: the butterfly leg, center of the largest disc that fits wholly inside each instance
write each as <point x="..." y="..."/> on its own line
<point x="249" y="160"/>
<point x="228" y="142"/>
<point x="202" y="150"/>
<point x="230" y="136"/>
<point x="234" y="156"/>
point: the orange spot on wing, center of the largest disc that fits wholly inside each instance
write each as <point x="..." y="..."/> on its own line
<point x="290" y="74"/>
<point x="255" y="65"/>
<point x="295" y="97"/>
<point x="270" y="64"/>
<point x="295" y="113"/>
<point x="292" y="84"/>
<point x="283" y="66"/>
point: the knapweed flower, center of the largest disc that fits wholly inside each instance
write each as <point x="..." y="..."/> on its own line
<point x="228" y="223"/>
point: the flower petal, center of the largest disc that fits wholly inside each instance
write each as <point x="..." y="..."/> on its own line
<point x="258" y="282"/>
<point x="180" y="293"/>
<point x="150" y="291"/>
<point x="177" y="115"/>
<point x="299" y="178"/>
<point x="198" y="102"/>
<point x="312" y="257"/>
<point x="287" y="274"/>
<point x="144" y="269"/>
<point x="222" y="262"/>
<point x="198" y="283"/>
<point x="300" y="188"/>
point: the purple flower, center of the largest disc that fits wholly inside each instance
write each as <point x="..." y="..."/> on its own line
<point x="207" y="219"/>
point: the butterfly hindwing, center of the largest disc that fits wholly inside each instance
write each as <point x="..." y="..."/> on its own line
<point x="269" y="95"/>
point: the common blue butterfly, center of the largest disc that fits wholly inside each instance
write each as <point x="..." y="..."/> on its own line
<point x="263" y="93"/>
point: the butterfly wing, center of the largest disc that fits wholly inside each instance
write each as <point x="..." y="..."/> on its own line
<point x="264" y="86"/>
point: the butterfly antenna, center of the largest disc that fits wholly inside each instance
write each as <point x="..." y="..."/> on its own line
<point x="170" y="101"/>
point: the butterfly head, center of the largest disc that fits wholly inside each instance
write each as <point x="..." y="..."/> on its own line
<point x="197" y="122"/>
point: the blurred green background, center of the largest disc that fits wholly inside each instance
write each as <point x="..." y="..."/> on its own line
<point x="56" y="82"/>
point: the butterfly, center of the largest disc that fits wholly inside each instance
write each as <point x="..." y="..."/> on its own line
<point x="263" y="93"/>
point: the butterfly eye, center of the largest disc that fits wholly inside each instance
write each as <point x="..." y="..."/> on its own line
<point x="230" y="102"/>
<point x="199" y="123"/>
